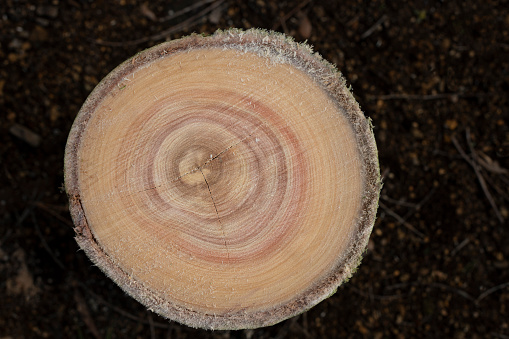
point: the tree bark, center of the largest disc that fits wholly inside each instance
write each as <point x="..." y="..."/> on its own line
<point x="225" y="182"/>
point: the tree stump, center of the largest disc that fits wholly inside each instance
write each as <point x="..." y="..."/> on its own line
<point x="225" y="182"/>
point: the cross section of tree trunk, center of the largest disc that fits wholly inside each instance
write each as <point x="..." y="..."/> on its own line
<point x="225" y="182"/>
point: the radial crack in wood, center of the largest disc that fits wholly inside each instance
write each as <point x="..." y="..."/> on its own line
<point x="225" y="182"/>
<point x="217" y="213"/>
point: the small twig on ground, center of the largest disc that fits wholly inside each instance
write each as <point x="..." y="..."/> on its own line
<point x="373" y="28"/>
<point x="414" y="206"/>
<point x="292" y="325"/>
<point x="399" y="202"/>
<point x="82" y="308"/>
<point x="24" y="215"/>
<point x="473" y="163"/>
<point x="44" y="242"/>
<point x="490" y="291"/>
<point x="433" y="285"/>
<point x="300" y="328"/>
<point x="121" y="311"/>
<point x="490" y="165"/>
<point x="401" y="285"/>
<point x="499" y="190"/>
<point x="151" y="325"/>
<point x="453" y="289"/>
<point x="5" y="236"/>
<point x="372" y="296"/>
<point x="25" y="134"/>
<point x="452" y="96"/>
<point x="51" y="210"/>
<point x="285" y="27"/>
<point x="460" y="246"/>
<point x="458" y="291"/>
<point x="426" y="97"/>
<point x="185" y="10"/>
<point x="419" y="205"/>
<point x="147" y="12"/>
<point x="401" y="220"/>
<point x="282" y="20"/>
<point x="176" y="28"/>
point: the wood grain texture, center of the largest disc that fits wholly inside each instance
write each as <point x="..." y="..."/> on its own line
<point x="225" y="182"/>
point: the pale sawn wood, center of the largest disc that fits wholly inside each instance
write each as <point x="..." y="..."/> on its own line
<point x="225" y="182"/>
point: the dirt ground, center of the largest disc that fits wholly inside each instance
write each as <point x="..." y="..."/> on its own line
<point x="433" y="76"/>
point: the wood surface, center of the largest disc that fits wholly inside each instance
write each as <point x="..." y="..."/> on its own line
<point x="225" y="182"/>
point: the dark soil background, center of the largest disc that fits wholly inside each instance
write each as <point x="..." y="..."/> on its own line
<point x="433" y="76"/>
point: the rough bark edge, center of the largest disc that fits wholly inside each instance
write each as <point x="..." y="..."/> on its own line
<point x="278" y="49"/>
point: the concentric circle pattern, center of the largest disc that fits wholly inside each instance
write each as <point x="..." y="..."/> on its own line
<point x="205" y="161"/>
<point x="222" y="185"/>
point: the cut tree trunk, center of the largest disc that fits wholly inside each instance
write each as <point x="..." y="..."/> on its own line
<point x="225" y="182"/>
